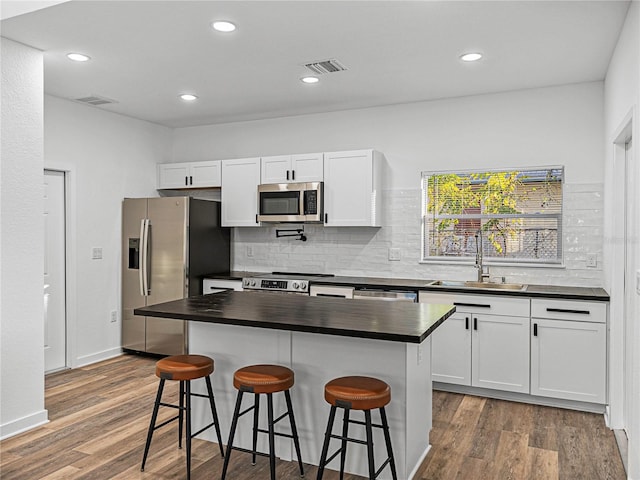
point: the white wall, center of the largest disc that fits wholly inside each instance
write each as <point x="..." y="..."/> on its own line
<point x="108" y="157"/>
<point x="622" y="94"/>
<point x="548" y="126"/>
<point x="21" y="247"/>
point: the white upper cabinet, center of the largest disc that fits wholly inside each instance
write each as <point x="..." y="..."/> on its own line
<point x="292" y="168"/>
<point x="189" y="175"/>
<point x="239" y="195"/>
<point x="352" y="188"/>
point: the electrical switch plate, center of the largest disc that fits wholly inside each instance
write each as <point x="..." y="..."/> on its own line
<point x="114" y="316"/>
<point x="592" y="260"/>
<point x="394" y="254"/>
<point x="96" y="253"/>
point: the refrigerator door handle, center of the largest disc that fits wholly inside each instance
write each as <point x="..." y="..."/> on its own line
<point x="144" y="270"/>
<point x="141" y="254"/>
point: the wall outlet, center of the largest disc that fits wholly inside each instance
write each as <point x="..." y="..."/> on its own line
<point x="114" y="316"/>
<point x="592" y="260"/>
<point x="96" y="253"/>
<point x="394" y="254"/>
<point x="249" y="251"/>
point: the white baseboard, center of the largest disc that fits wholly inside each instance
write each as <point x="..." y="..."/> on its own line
<point x="521" y="397"/>
<point x="413" y="472"/>
<point x="23" y="424"/>
<point x="97" y="357"/>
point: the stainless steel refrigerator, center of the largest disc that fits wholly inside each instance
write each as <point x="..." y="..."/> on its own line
<point x="168" y="244"/>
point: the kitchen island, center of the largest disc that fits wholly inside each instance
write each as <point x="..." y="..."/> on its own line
<point x="319" y="339"/>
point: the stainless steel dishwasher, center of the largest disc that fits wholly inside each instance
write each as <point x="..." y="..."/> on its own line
<point x="385" y="295"/>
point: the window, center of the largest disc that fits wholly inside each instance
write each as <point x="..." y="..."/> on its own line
<point x="515" y="215"/>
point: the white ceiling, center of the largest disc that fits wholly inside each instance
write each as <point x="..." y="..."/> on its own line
<point x="145" y="53"/>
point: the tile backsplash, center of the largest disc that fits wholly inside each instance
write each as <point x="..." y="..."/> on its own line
<point x="361" y="251"/>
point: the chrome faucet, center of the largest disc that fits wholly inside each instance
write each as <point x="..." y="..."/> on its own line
<point x="482" y="274"/>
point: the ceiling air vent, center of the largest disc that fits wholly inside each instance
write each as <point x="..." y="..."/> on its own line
<point x="94" y="100"/>
<point x="325" y="66"/>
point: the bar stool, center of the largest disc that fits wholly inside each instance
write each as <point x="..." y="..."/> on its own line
<point x="263" y="379"/>
<point x="183" y="368"/>
<point x="357" y="393"/>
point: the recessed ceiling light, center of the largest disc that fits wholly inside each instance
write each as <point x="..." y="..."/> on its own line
<point x="188" y="97"/>
<point x="471" y="57"/>
<point x="78" y="57"/>
<point x="310" y="79"/>
<point x="223" y="26"/>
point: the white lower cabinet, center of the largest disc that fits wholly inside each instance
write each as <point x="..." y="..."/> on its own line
<point x="484" y="344"/>
<point x="569" y="357"/>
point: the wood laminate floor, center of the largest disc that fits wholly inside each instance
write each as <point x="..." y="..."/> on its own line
<point x="99" y="416"/>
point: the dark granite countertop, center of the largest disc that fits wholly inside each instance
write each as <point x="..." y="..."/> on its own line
<point x="531" y="290"/>
<point x="392" y="321"/>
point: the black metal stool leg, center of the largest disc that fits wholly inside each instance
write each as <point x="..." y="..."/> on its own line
<point x="188" y="433"/>
<point x="272" y="438"/>
<point x="372" y="466"/>
<point x="232" y="432"/>
<point x="256" y="412"/>
<point x="214" y="413"/>
<point x="180" y="412"/>
<point x="387" y="439"/>
<point x="343" y="447"/>
<point x="294" y="430"/>
<point x="325" y="445"/>
<point x="152" y="424"/>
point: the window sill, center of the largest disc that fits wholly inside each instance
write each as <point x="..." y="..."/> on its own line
<point x="462" y="263"/>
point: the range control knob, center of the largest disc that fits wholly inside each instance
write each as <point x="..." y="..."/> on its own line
<point x="295" y="285"/>
<point x="246" y="283"/>
<point x="253" y="283"/>
<point x="303" y="286"/>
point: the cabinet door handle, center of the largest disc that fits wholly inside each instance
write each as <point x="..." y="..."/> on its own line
<point x="461" y="304"/>
<point x="190" y="180"/>
<point x="568" y="310"/>
<point x="186" y="180"/>
<point x="466" y="323"/>
<point x="293" y="174"/>
<point x="535" y="329"/>
<point x="326" y="217"/>
<point x="257" y="218"/>
<point x="475" y="323"/>
<point x="287" y="174"/>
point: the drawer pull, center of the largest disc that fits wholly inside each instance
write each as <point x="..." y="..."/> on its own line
<point x="461" y="304"/>
<point x="568" y="310"/>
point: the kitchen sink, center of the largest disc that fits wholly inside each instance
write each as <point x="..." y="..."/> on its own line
<point x="482" y="285"/>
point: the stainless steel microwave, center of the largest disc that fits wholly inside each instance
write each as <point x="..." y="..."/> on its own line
<point x="291" y="202"/>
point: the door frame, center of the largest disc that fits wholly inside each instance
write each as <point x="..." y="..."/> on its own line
<point x="70" y="259"/>
<point x="619" y="370"/>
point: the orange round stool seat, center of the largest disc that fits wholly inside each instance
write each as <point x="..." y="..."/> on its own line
<point x="184" y="367"/>
<point x="357" y="393"/>
<point x="263" y="379"/>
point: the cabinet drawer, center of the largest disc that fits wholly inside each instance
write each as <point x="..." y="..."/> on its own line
<point x="331" y="291"/>
<point x="576" y="310"/>
<point x="489" y="304"/>
<point x="210" y="284"/>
